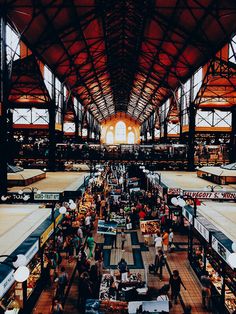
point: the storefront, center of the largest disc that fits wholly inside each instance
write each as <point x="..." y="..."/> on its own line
<point x="25" y="294"/>
<point x="20" y="293"/>
<point x="210" y="249"/>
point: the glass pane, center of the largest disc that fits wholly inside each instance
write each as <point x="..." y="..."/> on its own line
<point x="120" y="131"/>
<point x="109" y="138"/>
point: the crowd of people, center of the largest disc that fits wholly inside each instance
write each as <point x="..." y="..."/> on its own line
<point x="75" y="240"/>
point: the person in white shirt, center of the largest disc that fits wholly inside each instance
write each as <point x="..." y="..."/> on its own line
<point x="158" y="243"/>
<point x="88" y="221"/>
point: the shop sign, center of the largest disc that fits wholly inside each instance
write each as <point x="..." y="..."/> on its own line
<point x="47" y="197"/>
<point x="220" y="249"/>
<point x="187" y="215"/>
<point x="202" y="230"/>
<point x="174" y="191"/>
<point x="46" y="234"/>
<point x="16" y="197"/>
<point x="6" y="283"/>
<point x="32" y="251"/>
<point x="212" y="195"/>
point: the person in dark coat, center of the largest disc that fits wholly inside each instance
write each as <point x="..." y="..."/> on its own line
<point x="175" y="284"/>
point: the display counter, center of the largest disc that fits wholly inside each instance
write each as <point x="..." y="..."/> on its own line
<point x="25" y="294"/>
<point x="112" y="288"/>
<point x="210" y="251"/>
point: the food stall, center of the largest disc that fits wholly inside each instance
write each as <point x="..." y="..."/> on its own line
<point x="112" y="288"/>
<point x="210" y="252"/>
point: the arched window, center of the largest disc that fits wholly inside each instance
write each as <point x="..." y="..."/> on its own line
<point x="120" y="132"/>
<point x="109" y="138"/>
<point x="131" y="138"/>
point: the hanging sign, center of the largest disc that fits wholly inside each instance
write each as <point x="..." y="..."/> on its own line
<point x="220" y="249"/>
<point x="202" y="230"/>
<point x="47" y="197"/>
<point x="174" y="191"/>
<point x="187" y="215"/>
<point x="211" y="195"/>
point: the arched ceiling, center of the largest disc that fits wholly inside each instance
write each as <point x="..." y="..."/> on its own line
<point x="123" y="55"/>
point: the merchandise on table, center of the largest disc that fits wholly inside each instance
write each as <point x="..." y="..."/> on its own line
<point x="149" y="227"/>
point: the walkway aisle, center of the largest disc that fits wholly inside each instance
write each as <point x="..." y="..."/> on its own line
<point x="176" y="260"/>
<point x="44" y="302"/>
<point x="179" y="260"/>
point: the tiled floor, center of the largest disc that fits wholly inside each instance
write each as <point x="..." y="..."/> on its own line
<point x="176" y="260"/>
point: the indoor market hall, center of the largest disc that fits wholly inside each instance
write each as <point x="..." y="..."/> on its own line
<point x="117" y="157"/>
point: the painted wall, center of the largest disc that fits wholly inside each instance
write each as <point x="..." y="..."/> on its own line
<point x="110" y="125"/>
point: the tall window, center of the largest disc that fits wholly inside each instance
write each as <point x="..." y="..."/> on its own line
<point x="120" y="132"/>
<point x="109" y="138"/>
<point x="131" y="138"/>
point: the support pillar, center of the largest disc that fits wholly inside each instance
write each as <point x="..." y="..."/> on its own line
<point x="181" y="118"/>
<point x="3" y="108"/>
<point x="163" y="139"/>
<point x="232" y="147"/>
<point x="191" y="137"/>
<point x="76" y="129"/>
<point x="52" y="130"/>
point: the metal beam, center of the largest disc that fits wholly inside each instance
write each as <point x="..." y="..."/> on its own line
<point x="3" y="108"/>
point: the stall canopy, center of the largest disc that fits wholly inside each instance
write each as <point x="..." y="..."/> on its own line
<point x="122" y="55"/>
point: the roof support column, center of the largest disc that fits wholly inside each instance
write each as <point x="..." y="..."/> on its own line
<point x="3" y="108"/>
<point x="52" y="130"/>
<point x="191" y="136"/>
<point x="181" y="118"/>
<point x="164" y="138"/>
<point x="232" y="156"/>
<point x="76" y="128"/>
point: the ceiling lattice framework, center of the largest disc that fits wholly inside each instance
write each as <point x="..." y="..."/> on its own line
<point x="123" y="55"/>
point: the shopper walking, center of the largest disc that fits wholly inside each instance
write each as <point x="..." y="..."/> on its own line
<point x="123" y="239"/>
<point x="159" y="263"/>
<point x="175" y="284"/>
<point x="165" y="241"/>
<point x="90" y="244"/>
<point x="206" y="290"/>
<point x="56" y="307"/>
<point x="158" y="243"/>
<point x="62" y="283"/>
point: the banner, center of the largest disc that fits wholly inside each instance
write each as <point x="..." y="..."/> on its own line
<point x="211" y="195"/>
<point x="47" y="233"/>
<point x="107" y="227"/>
<point x="149" y="226"/>
<point x="174" y="191"/>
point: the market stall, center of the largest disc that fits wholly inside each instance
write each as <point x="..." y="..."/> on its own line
<point x="113" y="288"/>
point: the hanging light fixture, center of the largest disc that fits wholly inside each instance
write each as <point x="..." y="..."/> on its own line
<point x="62" y="210"/>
